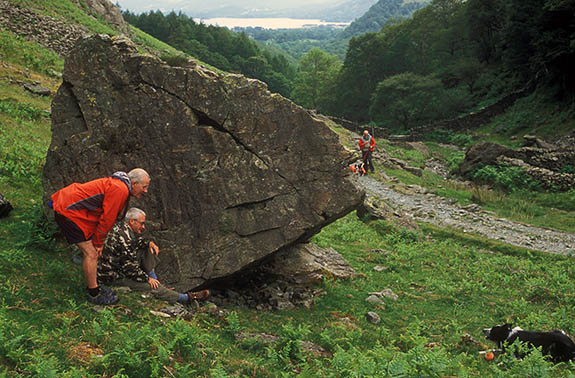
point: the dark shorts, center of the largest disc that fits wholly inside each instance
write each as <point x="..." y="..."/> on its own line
<point x="71" y="231"/>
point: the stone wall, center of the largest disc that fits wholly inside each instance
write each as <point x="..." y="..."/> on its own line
<point x="47" y="31"/>
<point x="472" y="120"/>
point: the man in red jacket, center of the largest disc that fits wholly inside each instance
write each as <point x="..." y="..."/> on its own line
<point x="367" y="145"/>
<point x="86" y="213"/>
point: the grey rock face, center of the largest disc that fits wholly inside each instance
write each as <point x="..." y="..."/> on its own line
<point x="237" y="172"/>
<point x="306" y="264"/>
<point x="108" y="11"/>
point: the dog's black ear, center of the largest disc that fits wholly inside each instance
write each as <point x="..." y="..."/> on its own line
<point x="508" y="326"/>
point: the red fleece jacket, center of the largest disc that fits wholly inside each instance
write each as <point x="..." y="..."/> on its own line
<point x="94" y="206"/>
<point x="363" y="143"/>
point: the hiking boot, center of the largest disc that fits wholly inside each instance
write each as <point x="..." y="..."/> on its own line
<point x="103" y="299"/>
<point x="107" y="290"/>
<point x="201" y="295"/>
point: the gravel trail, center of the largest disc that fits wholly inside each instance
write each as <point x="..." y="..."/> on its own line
<point x="427" y="207"/>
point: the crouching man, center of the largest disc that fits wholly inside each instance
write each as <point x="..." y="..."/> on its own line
<point x="130" y="260"/>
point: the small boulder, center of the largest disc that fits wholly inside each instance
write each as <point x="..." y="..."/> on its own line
<point x="373" y="317"/>
<point x="385" y="293"/>
<point x="374" y="299"/>
<point x="308" y="264"/>
<point x="38" y="89"/>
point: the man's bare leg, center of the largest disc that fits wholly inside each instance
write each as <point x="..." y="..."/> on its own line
<point x="90" y="263"/>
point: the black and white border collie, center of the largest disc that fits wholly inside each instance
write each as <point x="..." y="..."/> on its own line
<point x="358" y="168"/>
<point x="554" y="343"/>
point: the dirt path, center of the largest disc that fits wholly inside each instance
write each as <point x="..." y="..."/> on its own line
<point x="427" y="207"/>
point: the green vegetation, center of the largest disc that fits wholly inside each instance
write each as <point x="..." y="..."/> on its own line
<point x="315" y="69"/>
<point x="17" y="50"/>
<point x="462" y="44"/>
<point x="406" y="99"/>
<point x="298" y="42"/>
<point x="449" y="137"/>
<point x="217" y="46"/>
<point x="505" y="177"/>
<point x="380" y="14"/>
<point x="535" y="115"/>
<point x="446" y="289"/>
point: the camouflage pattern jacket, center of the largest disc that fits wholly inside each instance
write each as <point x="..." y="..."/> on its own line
<point x="120" y="255"/>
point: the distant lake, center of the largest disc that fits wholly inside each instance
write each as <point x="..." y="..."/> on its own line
<point x="268" y="23"/>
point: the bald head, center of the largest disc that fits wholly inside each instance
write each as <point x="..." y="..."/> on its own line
<point x="137" y="175"/>
<point x="140" y="181"/>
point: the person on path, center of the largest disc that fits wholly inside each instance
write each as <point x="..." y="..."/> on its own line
<point x="87" y="211"/>
<point x="128" y="259"/>
<point x="367" y="145"/>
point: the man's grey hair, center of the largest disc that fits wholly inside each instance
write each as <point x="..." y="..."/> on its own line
<point x="137" y="175"/>
<point x="133" y="213"/>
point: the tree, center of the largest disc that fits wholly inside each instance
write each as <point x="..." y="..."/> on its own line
<point x="468" y="71"/>
<point x="485" y="20"/>
<point x="406" y="98"/>
<point x="316" y="75"/>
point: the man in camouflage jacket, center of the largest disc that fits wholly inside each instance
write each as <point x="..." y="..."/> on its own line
<point x="130" y="260"/>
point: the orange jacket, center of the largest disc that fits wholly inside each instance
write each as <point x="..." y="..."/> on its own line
<point x="363" y="142"/>
<point x="95" y="205"/>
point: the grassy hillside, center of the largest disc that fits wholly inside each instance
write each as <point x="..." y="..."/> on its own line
<point x="448" y="285"/>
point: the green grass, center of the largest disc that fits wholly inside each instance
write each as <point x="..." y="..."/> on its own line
<point x="145" y="39"/>
<point x="551" y="210"/>
<point x="67" y="11"/>
<point x="533" y="115"/>
<point x="448" y="285"/>
<point x="15" y="49"/>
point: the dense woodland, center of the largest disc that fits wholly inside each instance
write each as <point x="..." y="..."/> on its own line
<point x="380" y="14"/>
<point x="298" y="42"/>
<point x="218" y="46"/>
<point x="449" y="58"/>
<point x="453" y="56"/>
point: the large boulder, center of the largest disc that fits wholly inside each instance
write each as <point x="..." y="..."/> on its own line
<point x="238" y="173"/>
<point x="480" y="154"/>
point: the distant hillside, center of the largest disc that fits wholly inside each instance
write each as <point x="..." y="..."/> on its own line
<point x="348" y="11"/>
<point x="218" y="46"/>
<point x="342" y="11"/>
<point x="380" y="13"/>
